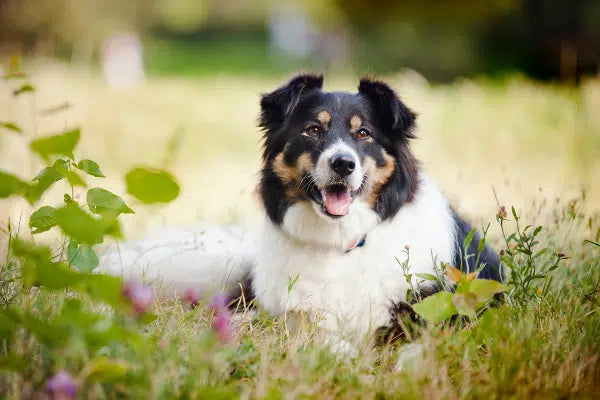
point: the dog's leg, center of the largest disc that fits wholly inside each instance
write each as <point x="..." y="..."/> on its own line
<point x="213" y="259"/>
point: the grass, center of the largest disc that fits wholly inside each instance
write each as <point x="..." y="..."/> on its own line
<point x="535" y="145"/>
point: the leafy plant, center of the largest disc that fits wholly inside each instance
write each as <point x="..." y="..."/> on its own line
<point x="470" y="296"/>
<point x="529" y="266"/>
<point x="33" y="272"/>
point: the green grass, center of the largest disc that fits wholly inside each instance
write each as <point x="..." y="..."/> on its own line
<point x="548" y="348"/>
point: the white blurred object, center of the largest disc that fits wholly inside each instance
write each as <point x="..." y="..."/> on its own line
<point x="122" y="60"/>
<point x="409" y="357"/>
<point x="291" y="31"/>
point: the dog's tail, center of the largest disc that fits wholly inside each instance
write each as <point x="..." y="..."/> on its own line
<point x="211" y="259"/>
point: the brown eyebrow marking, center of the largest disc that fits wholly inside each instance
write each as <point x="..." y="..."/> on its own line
<point x="324" y="117"/>
<point x="355" y="123"/>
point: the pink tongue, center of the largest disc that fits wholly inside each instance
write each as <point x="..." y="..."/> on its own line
<point x="337" y="203"/>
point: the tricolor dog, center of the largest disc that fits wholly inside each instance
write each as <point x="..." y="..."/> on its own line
<point x="346" y="203"/>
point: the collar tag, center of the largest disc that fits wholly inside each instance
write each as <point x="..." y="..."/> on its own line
<point x="357" y="243"/>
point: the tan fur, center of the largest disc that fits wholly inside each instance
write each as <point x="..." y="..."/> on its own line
<point x="378" y="175"/>
<point x="324" y="117"/>
<point x="304" y="164"/>
<point x="292" y="174"/>
<point x="355" y="123"/>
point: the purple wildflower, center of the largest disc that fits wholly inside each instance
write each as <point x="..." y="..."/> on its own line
<point x="221" y="325"/>
<point x="62" y="386"/>
<point x="192" y="296"/>
<point x="219" y="302"/>
<point x="139" y="295"/>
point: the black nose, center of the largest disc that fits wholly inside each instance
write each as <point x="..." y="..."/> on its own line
<point x="342" y="163"/>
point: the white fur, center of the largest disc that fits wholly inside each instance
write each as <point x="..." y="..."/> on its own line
<point x="208" y="259"/>
<point x="323" y="175"/>
<point x="350" y="292"/>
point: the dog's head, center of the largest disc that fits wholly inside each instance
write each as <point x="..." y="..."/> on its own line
<point x="336" y="151"/>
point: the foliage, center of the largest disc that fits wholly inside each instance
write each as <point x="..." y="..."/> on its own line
<point x="65" y="330"/>
<point x="34" y="273"/>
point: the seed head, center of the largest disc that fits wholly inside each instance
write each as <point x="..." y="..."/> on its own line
<point x="501" y="214"/>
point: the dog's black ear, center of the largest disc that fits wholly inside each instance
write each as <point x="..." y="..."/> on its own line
<point x="279" y="104"/>
<point x="393" y="114"/>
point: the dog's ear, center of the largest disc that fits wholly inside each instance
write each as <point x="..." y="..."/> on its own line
<point x="392" y="113"/>
<point x="279" y="104"/>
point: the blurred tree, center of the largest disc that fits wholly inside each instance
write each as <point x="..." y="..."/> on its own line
<point x="547" y="39"/>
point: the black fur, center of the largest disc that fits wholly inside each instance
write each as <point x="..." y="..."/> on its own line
<point x="391" y="112"/>
<point x="242" y="296"/>
<point x="491" y="270"/>
<point x="403" y="321"/>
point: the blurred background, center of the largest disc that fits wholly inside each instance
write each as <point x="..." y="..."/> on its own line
<point x="507" y="91"/>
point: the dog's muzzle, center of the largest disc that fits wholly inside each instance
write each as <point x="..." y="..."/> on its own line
<point x="337" y="180"/>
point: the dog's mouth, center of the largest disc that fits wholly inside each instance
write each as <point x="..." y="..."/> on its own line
<point x="334" y="199"/>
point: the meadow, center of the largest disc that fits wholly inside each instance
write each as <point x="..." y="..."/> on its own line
<point x="512" y="143"/>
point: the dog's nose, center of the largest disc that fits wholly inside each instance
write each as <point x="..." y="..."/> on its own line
<point x="342" y="163"/>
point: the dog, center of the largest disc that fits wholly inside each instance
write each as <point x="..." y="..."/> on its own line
<point x="346" y="205"/>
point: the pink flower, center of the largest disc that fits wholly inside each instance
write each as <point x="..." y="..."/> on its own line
<point x="221" y="325"/>
<point x="139" y="295"/>
<point x="62" y="386"/>
<point x="192" y="296"/>
<point x="219" y="302"/>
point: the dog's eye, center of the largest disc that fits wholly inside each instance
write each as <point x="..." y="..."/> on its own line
<point x="363" y="134"/>
<point x="314" y="130"/>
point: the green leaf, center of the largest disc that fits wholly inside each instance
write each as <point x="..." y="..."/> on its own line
<point x="594" y="243"/>
<point x="26" y="88"/>
<point x="46" y="177"/>
<point x="11" y="126"/>
<point x="468" y="239"/>
<point x="465" y="303"/>
<point x="56" y="276"/>
<point x="82" y="257"/>
<point x="427" y="277"/>
<point x="62" y="167"/>
<point x="103" y="369"/>
<point x="102" y="202"/>
<point x="61" y="144"/>
<point x="11" y="185"/>
<point x="106" y="288"/>
<point x="152" y="186"/>
<point x="79" y="225"/>
<point x="436" y="308"/>
<point x="42" y="219"/>
<point x="481" y="245"/>
<point x="485" y="289"/>
<point x="90" y="167"/>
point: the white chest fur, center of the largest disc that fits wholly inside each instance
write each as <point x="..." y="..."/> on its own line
<point x="350" y="290"/>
